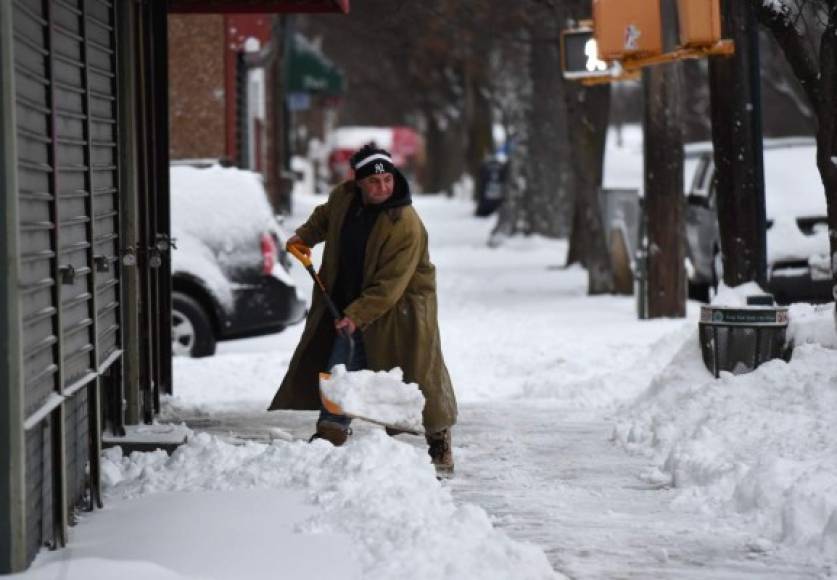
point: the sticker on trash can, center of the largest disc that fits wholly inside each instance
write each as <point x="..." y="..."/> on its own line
<point x="749" y="316"/>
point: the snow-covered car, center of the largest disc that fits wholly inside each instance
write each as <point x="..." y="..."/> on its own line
<point x="230" y="273"/>
<point x="798" y="267"/>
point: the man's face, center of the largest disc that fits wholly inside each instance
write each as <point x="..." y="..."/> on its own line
<point x="377" y="188"/>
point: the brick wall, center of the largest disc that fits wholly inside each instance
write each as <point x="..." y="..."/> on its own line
<point x="196" y="86"/>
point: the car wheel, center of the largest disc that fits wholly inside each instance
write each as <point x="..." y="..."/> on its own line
<point x="699" y="292"/>
<point x="191" y="328"/>
<point x="717" y="270"/>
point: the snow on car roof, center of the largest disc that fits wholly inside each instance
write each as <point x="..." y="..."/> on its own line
<point x="792" y="181"/>
<point x="223" y="206"/>
<point x="793" y="186"/>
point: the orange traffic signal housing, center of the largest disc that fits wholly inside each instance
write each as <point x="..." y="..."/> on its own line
<point x="632" y="29"/>
<point x="700" y="22"/>
<point x="627" y="28"/>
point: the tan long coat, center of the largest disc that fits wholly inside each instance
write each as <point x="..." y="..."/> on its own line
<point x="396" y="310"/>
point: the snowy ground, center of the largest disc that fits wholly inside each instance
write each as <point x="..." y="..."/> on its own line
<point x="590" y="445"/>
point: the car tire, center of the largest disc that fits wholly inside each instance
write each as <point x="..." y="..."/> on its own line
<point x="717" y="270"/>
<point x="699" y="292"/>
<point x="191" y="331"/>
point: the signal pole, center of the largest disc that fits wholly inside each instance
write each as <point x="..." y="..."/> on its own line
<point x="737" y="138"/>
<point x="664" y="200"/>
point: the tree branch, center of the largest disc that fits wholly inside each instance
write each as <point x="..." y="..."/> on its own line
<point x="803" y="61"/>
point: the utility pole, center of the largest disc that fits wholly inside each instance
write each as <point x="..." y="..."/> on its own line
<point x="664" y="202"/>
<point x="737" y="139"/>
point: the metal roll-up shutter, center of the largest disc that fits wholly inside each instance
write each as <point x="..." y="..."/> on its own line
<point x="34" y="202"/>
<point x="37" y="254"/>
<point x="72" y="175"/>
<point x="68" y="199"/>
<point x="101" y="54"/>
<point x="72" y="183"/>
<point x="39" y="492"/>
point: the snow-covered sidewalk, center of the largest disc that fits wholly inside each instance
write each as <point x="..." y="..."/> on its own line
<point x="590" y="445"/>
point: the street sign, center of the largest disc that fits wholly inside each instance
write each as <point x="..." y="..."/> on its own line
<point x="580" y="56"/>
<point x="299" y="101"/>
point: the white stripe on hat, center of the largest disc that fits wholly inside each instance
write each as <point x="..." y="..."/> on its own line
<point x="372" y="158"/>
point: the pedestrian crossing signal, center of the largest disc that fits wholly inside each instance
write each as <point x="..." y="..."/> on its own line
<point x="580" y="55"/>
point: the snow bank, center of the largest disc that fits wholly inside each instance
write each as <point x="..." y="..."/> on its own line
<point x="382" y="396"/>
<point x="761" y="444"/>
<point x="379" y="492"/>
<point x="812" y="324"/>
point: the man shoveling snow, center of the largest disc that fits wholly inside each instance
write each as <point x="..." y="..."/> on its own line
<point x="377" y="265"/>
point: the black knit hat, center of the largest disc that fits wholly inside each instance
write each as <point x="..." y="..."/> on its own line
<point x="370" y="160"/>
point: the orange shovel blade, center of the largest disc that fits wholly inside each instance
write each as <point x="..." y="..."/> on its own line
<point x="329" y="405"/>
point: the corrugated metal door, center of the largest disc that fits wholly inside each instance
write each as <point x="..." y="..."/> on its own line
<point x="68" y="215"/>
<point x="36" y="200"/>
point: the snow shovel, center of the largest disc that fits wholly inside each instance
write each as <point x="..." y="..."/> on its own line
<point x="329" y="405"/>
<point x="297" y="253"/>
<point x="335" y="408"/>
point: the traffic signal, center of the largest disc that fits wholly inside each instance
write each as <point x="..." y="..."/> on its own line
<point x="627" y="28"/>
<point x="580" y="55"/>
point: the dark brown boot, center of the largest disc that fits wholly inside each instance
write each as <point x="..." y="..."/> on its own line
<point x="335" y="433"/>
<point x="441" y="452"/>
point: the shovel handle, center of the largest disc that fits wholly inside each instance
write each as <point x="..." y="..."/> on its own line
<point x="301" y="252"/>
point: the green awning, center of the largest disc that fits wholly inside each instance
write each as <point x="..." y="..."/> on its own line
<point x="310" y="71"/>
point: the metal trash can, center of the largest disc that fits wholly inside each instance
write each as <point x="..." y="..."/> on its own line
<point x="491" y="185"/>
<point x="738" y="339"/>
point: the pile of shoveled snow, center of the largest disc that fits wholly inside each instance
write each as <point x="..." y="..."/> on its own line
<point x="382" y="396"/>
<point x="761" y="444"/>
<point x="381" y="493"/>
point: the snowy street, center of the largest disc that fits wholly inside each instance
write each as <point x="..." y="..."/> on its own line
<point x="548" y="381"/>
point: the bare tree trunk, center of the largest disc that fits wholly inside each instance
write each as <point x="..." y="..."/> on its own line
<point x="697" y="124"/>
<point x="587" y="112"/>
<point x="513" y="95"/>
<point x="575" y="251"/>
<point x="445" y="153"/>
<point x="433" y="181"/>
<point x="736" y="135"/>
<point x="479" y="121"/>
<point x="548" y="205"/>
<point x="664" y="200"/>
<point x="454" y="160"/>
<point x="511" y="218"/>
<point x="587" y="116"/>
